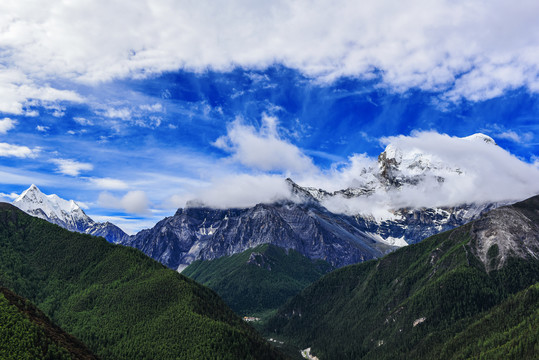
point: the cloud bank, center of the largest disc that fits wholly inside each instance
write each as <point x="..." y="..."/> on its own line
<point x="473" y="171"/>
<point x="465" y="49"/>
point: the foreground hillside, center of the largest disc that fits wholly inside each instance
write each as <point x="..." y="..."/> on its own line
<point x="259" y="279"/>
<point x="437" y="299"/>
<point x="119" y="302"/>
<point x="26" y="333"/>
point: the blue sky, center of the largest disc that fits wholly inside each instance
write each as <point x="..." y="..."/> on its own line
<point x="134" y="110"/>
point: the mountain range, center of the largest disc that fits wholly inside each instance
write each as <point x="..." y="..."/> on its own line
<point x="319" y="224"/>
<point x="423" y="282"/>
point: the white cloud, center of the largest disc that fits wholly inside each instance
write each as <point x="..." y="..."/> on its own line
<point x="486" y="173"/>
<point x="82" y="121"/>
<point x="470" y="49"/>
<point x="71" y="167"/>
<point x="17" y="90"/>
<point x="11" y="196"/>
<point x="7" y="124"/>
<point x="263" y="149"/>
<point x="513" y="136"/>
<point x="240" y="191"/>
<point x="108" y="183"/>
<point x="152" y="108"/>
<point x="10" y="150"/>
<point x="42" y="128"/>
<point x="121" y="113"/>
<point x="132" y="202"/>
<point x="474" y="171"/>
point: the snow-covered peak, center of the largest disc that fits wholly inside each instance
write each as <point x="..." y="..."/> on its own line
<point x="480" y="137"/>
<point x="49" y="207"/>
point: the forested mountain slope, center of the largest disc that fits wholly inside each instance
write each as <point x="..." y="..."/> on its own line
<point x="119" y="302"/>
<point x="27" y="333"/>
<point x="258" y="279"/>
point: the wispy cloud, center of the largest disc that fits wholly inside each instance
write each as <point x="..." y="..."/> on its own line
<point x="71" y="167"/>
<point x="513" y="136"/>
<point x="10" y="150"/>
<point x="82" y="121"/>
<point x="108" y="183"/>
<point x="120" y="113"/>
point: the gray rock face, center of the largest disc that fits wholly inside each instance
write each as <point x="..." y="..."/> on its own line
<point x="509" y="231"/>
<point x="414" y="225"/>
<point x="109" y="231"/>
<point x="202" y="233"/>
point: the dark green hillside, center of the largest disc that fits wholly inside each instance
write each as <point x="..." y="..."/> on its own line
<point x="120" y="303"/>
<point x="427" y="301"/>
<point x="508" y="331"/>
<point x="26" y="333"/>
<point x="259" y="279"/>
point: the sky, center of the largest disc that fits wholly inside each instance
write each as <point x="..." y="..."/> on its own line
<point x="133" y="108"/>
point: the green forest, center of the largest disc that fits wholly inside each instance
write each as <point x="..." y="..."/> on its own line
<point x="258" y="280"/>
<point x="27" y="334"/>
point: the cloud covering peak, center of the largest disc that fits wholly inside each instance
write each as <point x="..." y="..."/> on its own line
<point x="424" y="169"/>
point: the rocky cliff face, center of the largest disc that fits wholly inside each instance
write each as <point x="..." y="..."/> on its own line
<point x="509" y="231"/>
<point x="202" y="233"/>
<point x="306" y="226"/>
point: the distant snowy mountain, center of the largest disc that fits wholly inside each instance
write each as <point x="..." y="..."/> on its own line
<point x="66" y="214"/>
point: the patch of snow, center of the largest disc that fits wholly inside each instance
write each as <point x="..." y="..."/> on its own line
<point x="307" y="354"/>
<point x="419" y="321"/>
<point x="181" y="268"/>
<point x="388" y="240"/>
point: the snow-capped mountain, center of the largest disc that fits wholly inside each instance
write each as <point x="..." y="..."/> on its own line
<point x="54" y="209"/>
<point x="64" y="213"/>
<point x="402" y="168"/>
